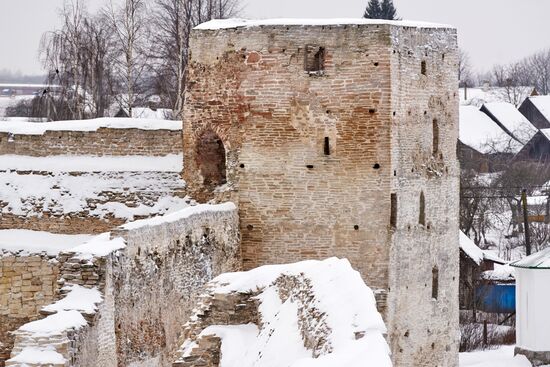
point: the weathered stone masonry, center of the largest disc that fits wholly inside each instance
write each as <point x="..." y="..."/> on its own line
<point x="103" y="142"/>
<point x="149" y="289"/>
<point x="349" y="154"/>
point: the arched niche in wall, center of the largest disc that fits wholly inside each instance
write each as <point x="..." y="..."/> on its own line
<point x="211" y="158"/>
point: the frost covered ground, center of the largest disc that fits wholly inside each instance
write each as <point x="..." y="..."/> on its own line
<point x="500" y="357"/>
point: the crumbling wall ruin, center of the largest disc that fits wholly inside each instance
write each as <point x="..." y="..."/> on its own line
<point x="27" y="283"/>
<point x="148" y="289"/>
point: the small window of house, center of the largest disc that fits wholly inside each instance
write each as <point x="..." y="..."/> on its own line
<point x="423" y="67"/>
<point x="422" y="215"/>
<point x="435" y="282"/>
<point x="315" y="59"/>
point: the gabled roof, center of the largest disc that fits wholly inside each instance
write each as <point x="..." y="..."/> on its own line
<point x="479" y="96"/>
<point x="475" y="253"/>
<point x="480" y="132"/>
<point x="542" y="103"/>
<point x="539" y="260"/>
<point x="508" y="116"/>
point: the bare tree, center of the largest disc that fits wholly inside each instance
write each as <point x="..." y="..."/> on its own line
<point x="465" y="75"/>
<point x="174" y="20"/>
<point x="129" y="27"/>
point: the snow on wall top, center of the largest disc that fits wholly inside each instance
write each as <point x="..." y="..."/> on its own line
<point x="32" y="128"/>
<point x="178" y="215"/>
<point x="339" y="293"/>
<point x="539" y="260"/>
<point x="513" y="120"/>
<point x="542" y="103"/>
<point x="248" y="23"/>
<point x="33" y="242"/>
<point x="479" y="132"/>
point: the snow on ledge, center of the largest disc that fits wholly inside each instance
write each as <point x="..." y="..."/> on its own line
<point x="84" y="163"/>
<point x="33" y="128"/>
<point x="248" y="23"/>
<point x="39" y="356"/>
<point x="182" y="214"/>
<point x="83" y="300"/>
<point x="100" y="245"/>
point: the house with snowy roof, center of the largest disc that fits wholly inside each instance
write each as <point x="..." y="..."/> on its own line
<point x="475" y="265"/>
<point x="537" y="148"/>
<point x="537" y="110"/>
<point x="511" y="120"/>
<point x="486" y="94"/>
<point x="482" y="138"/>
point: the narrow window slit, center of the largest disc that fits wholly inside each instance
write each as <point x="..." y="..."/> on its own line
<point x="422" y="215"/>
<point x="393" y="210"/>
<point x="327" y="146"/>
<point x="423" y="67"/>
<point x="435" y="282"/>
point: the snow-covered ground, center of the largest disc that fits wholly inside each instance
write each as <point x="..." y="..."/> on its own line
<point x="500" y="357"/>
<point x="63" y="193"/>
<point x="83" y="163"/>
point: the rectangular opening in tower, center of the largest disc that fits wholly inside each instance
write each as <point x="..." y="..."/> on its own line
<point x="435" y="282"/>
<point x="393" y="210"/>
<point x="326" y="148"/>
<point x="314" y="58"/>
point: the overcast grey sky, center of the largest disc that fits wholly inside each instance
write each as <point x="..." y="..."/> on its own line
<point x="492" y="31"/>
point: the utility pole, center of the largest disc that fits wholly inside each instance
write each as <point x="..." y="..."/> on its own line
<point x="526" y="223"/>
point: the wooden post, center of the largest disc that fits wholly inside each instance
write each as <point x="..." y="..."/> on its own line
<point x="526" y="223"/>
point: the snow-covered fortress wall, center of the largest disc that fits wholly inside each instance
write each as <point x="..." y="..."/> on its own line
<point x="147" y="275"/>
<point x="338" y="140"/>
<point x="88" y="176"/>
<point x="100" y="137"/>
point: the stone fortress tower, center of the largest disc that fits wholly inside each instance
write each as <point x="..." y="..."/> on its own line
<point x="338" y="138"/>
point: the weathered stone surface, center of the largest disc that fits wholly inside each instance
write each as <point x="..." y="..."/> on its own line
<point x="335" y="162"/>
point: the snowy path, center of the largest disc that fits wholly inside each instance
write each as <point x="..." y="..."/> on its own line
<point x="501" y="357"/>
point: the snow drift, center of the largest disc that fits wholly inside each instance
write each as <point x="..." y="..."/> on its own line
<point x="308" y="314"/>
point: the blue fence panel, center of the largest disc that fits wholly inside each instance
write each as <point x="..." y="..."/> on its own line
<point x="496" y="298"/>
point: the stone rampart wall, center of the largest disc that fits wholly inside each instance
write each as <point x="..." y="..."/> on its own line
<point x="103" y="142"/>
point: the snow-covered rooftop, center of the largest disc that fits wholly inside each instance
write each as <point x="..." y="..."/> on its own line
<point x="542" y="103"/>
<point x="474" y="252"/>
<point x="479" y="96"/>
<point x="513" y="120"/>
<point x="539" y="260"/>
<point x="248" y="23"/>
<point x="480" y="132"/>
<point x="39" y="128"/>
<point x="502" y="273"/>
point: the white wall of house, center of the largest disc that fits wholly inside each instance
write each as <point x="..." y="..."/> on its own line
<point x="533" y="309"/>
